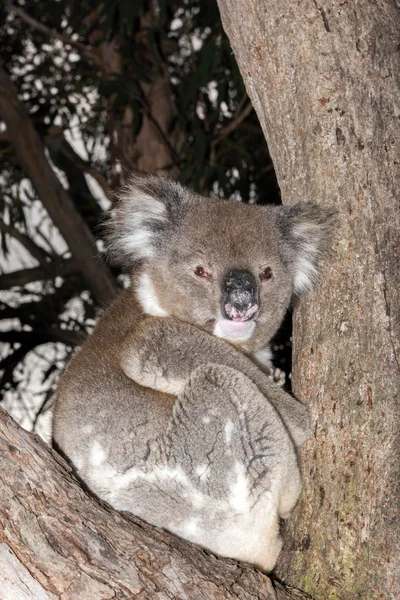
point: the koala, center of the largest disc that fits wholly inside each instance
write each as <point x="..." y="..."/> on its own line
<point x="167" y="410"/>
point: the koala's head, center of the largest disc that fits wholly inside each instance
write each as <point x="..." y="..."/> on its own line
<point x="227" y="267"/>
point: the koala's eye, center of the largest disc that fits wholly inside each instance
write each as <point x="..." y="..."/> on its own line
<point x="201" y="272"/>
<point x="266" y="274"/>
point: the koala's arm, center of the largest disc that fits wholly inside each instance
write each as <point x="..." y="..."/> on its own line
<point x="161" y="353"/>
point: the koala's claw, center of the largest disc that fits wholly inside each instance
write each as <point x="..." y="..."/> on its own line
<point x="277" y="376"/>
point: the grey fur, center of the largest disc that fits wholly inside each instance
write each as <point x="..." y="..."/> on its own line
<point x="158" y="415"/>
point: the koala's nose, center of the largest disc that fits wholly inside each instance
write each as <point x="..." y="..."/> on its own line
<point x="239" y="299"/>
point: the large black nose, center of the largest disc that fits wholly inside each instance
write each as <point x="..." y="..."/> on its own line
<point x="239" y="298"/>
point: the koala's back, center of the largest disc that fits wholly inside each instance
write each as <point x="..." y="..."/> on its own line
<point x="96" y="400"/>
<point x="214" y="466"/>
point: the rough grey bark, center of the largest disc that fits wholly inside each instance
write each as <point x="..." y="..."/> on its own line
<point x="58" y="542"/>
<point x="324" y="79"/>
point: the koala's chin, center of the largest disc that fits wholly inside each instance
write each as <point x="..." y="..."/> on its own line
<point x="162" y="412"/>
<point x="233" y="331"/>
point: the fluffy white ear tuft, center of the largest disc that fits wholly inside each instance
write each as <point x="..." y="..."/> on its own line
<point x="145" y="208"/>
<point x="307" y="236"/>
<point x="133" y="222"/>
<point x="306" y="231"/>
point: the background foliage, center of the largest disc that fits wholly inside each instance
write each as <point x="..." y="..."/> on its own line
<point x="112" y="88"/>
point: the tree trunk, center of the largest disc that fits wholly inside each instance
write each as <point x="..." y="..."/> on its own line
<point x="155" y="146"/>
<point x="58" y="542"/>
<point x="323" y="77"/>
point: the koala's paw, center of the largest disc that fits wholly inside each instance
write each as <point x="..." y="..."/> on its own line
<point x="150" y="373"/>
<point x="277" y="376"/>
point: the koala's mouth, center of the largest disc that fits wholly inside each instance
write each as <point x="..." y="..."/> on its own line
<point x="240" y="315"/>
<point x="239" y="307"/>
<point x="239" y="297"/>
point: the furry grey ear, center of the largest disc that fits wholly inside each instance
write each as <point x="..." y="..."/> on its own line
<point x="306" y="231"/>
<point x="146" y="208"/>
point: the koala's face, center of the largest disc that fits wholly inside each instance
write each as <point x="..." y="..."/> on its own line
<point x="222" y="271"/>
<point x="224" y="266"/>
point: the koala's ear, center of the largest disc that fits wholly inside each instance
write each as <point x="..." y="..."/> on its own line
<point x="306" y="231"/>
<point x="147" y="208"/>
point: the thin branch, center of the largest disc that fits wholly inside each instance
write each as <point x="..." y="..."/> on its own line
<point x="74" y="166"/>
<point x="85" y="51"/>
<point x="36" y="251"/>
<point x="46" y="240"/>
<point x="30" y="340"/>
<point x="49" y="306"/>
<point x="65" y="336"/>
<point x="100" y="179"/>
<point x="12" y="360"/>
<point x="37" y="338"/>
<point x="56" y="268"/>
<point x="172" y="151"/>
<point x="233" y="124"/>
<point x="240" y="105"/>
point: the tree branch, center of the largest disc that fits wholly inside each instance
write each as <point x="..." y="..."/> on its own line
<point x="53" y="196"/>
<point x="85" y="51"/>
<point x="46" y="310"/>
<point x="100" y="179"/>
<point x="61" y="152"/>
<point x="36" y="251"/>
<point x="57" y="268"/>
<point x="46" y="335"/>
<point x="8" y="364"/>
<point x="227" y="131"/>
<point x="233" y="124"/>
<point x="61" y="542"/>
